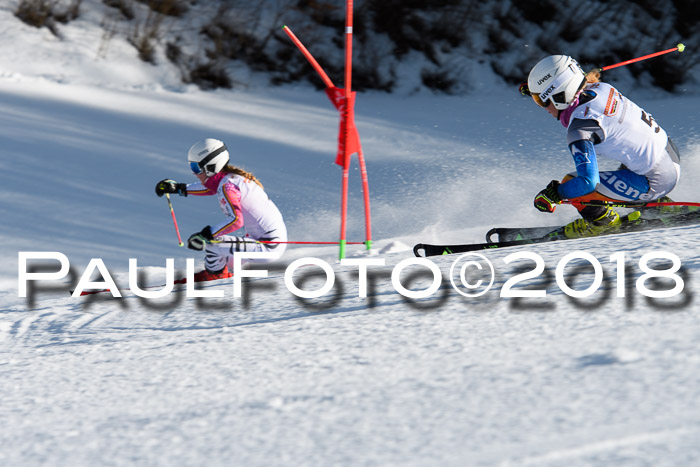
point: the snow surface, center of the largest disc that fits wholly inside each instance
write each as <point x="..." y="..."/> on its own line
<point x="269" y="379"/>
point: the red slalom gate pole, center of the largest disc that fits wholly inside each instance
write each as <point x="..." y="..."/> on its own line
<point x="326" y="80"/>
<point x="350" y="119"/>
<point x="365" y="191"/>
<point x="346" y="139"/>
<point x="679" y="48"/>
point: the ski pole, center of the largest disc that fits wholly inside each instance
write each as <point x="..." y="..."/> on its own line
<point x="172" y="213"/>
<point x="525" y="91"/>
<point x="631" y="204"/>
<point x="679" y="48"/>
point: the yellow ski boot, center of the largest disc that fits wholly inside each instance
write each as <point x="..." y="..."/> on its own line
<point x="607" y="223"/>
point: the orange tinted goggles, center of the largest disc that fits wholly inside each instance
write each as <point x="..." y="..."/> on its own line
<point x="539" y="101"/>
<point x="525" y="91"/>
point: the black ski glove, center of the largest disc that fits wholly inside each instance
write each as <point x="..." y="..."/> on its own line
<point x="547" y="199"/>
<point x="198" y="240"/>
<point x="171" y="186"/>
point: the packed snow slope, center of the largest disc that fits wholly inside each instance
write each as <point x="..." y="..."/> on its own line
<point x="271" y="379"/>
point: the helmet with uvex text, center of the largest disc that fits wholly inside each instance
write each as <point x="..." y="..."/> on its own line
<point x="557" y="78"/>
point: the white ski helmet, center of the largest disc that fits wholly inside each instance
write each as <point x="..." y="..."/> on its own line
<point x="557" y="77"/>
<point x="209" y="155"/>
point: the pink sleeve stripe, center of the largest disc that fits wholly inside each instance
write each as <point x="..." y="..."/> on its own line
<point x="233" y="198"/>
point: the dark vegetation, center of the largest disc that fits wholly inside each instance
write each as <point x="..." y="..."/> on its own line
<point x="208" y="40"/>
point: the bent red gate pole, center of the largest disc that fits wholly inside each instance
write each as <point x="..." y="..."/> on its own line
<point x="365" y="192"/>
<point x="349" y="142"/>
<point x="326" y="80"/>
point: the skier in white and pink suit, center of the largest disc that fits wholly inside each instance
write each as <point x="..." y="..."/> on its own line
<point x="244" y="204"/>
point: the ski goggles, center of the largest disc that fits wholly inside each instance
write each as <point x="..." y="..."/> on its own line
<point x="197" y="167"/>
<point x="558" y="97"/>
<point x="538" y="100"/>
<point x="526" y="92"/>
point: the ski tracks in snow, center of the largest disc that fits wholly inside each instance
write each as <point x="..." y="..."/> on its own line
<point x="625" y="445"/>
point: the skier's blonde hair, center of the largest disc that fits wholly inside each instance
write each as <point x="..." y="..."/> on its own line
<point x="238" y="171"/>
<point x="593" y="76"/>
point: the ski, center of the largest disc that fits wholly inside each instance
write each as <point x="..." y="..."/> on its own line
<point x="437" y="250"/>
<point x="508" y="234"/>
<point x="508" y="237"/>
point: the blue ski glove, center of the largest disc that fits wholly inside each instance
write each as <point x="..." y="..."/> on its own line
<point x="198" y="240"/>
<point x="547" y="199"/>
<point x="171" y="186"/>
